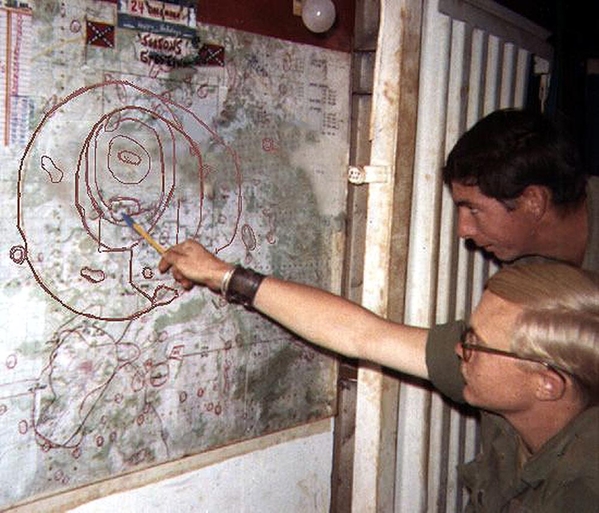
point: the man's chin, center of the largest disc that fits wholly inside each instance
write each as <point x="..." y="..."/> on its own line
<point x="488" y="250"/>
<point x="498" y="254"/>
<point x="470" y="398"/>
<point x="505" y="258"/>
<point x="492" y="252"/>
<point x="467" y="396"/>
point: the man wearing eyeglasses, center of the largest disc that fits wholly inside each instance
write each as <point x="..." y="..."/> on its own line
<point x="529" y="361"/>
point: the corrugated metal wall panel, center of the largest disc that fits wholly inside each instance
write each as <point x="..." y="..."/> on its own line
<point x="416" y="415"/>
<point x="467" y="71"/>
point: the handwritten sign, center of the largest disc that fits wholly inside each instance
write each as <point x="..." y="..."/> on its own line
<point x="175" y="18"/>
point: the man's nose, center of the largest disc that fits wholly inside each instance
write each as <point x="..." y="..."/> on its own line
<point x="466" y="227"/>
<point x="458" y="350"/>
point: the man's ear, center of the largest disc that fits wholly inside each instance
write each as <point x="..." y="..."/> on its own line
<point x="550" y="387"/>
<point x="536" y="199"/>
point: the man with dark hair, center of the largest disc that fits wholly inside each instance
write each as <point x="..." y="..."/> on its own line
<point x="520" y="191"/>
<point x="510" y="149"/>
<point x="520" y="194"/>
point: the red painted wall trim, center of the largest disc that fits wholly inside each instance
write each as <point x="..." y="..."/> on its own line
<point x="275" y="18"/>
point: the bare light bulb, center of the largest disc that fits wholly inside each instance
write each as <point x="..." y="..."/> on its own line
<point x="318" y="15"/>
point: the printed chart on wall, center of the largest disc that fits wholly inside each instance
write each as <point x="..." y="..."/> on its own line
<point x="236" y="140"/>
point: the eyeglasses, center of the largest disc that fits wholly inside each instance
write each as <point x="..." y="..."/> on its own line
<point x="469" y="345"/>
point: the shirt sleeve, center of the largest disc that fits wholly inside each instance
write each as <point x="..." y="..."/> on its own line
<point x="442" y="362"/>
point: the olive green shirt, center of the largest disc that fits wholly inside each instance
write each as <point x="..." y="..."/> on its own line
<point x="563" y="477"/>
<point x="591" y="256"/>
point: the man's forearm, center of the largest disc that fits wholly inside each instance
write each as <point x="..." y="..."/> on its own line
<point x="339" y="325"/>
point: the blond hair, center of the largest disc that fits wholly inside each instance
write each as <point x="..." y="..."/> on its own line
<point x="560" y="319"/>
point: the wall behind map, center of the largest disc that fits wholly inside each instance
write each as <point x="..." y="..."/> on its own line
<point x="235" y="139"/>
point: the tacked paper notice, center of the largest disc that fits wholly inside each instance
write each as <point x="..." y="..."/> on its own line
<point x="15" y="54"/>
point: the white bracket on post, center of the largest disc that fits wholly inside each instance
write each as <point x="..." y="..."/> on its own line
<point x="359" y="175"/>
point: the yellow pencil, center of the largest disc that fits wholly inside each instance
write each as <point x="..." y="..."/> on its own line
<point x="143" y="233"/>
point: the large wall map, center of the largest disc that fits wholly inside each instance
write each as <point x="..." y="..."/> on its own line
<point x="237" y="140"/>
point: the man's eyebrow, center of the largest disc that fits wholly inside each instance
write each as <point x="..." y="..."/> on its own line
<point x="463" y="203"/>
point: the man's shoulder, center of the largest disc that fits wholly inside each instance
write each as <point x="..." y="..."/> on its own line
<point x="579" y="495"/>
<point x="585" y="428"/>
<point x="593" y="194"/>
<point x="579" y="453"/>
<point x="591" y="260"/>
